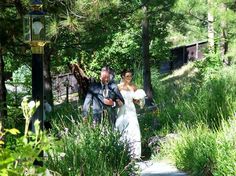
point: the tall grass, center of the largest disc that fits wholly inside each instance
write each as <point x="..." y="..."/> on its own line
<point x="201" y="151"/>
<point x="86" y="150"/>
<point x="195" y="150"/>
<point x="184" y="97"/>
<point x="198" y="109"/>
<point x="217" y="98"/>
<point x="226" y="144"/>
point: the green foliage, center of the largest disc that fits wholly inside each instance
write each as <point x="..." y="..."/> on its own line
<point x="121" y="52"/>
<point x="217" y="97"/>
<point x="226" y="149"/>
<point x="172" y="95"/>
<point x="86" y="150"/>
<point x="6" y="157"/>
<point x="28" y="109"/>
<point x="188" y="23"/>
<point x="65" y="113"/>
<point x="202" y="151"/>
<point x="17" y="155"/>
<point x="200" y="107"/>
<point x="148" y="122"/>
<point x="195" y="150"/>
<point x="190" y="98"/>
<point x="22" y="76"/>
<point x="20" y="86"/>
<point x="106" y="33"/>
<point x="209" y="65"/>
<point x="231" y="55"/>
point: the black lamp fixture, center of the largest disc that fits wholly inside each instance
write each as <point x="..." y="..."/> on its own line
<point x="35" y="27"/>
<point x="35" y="34"/>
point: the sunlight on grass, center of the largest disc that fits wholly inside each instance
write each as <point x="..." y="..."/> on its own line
<point x="187" y="70"/>
<point x="200" y="109"/>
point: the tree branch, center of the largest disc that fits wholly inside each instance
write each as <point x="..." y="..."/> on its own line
<point x="200" y="19"/>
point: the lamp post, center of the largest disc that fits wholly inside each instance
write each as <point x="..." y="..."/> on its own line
<point x="35" y="28"/>
<point x="67" y="84"/>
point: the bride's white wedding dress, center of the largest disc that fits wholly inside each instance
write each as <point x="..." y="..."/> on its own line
<point x="127" y="124"/>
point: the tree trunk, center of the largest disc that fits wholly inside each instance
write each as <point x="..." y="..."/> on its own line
<point x="210" y="27"/>
<point x="223" y="37"/>
<point x="146" y="58"/>
<point x="3" y="105"/>
<point x="47" y="76"/>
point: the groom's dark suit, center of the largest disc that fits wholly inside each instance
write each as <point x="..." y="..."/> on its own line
<point x="96" y="97"/>
<point x="116" y="95"/>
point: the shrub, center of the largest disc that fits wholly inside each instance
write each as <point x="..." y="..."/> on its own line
<point x="226" y="154"/>
<point x="148" y="123"/>
<point x="187" y="99"/>
<point x="194" y="151"/>
<point x="201" y="151"/>
<point x="83" y="149"/>
<point x="18" y="155"/>
<point x="216" y="98"/>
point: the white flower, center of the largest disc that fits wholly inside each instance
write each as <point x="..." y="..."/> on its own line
<point x="66" y="130"/>
<point x="26" y="98"/>
<point x="142" y="103"/>
<point x="31" y="104"/>
<point x="62" y="155"/>
<point x="139" y="94"/>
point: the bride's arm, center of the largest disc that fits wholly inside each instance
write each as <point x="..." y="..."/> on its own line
<point x="120" y="101"/>
<point x="134" y="87"/>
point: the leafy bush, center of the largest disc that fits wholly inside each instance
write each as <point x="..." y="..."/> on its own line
<point x="148" y="123"/>
<point x="22" y="76"/>
<point x="174" y="95"/>
<point x="17" y="155"/>
<point x="216" y="99"/>
<point x="226" y="154"/>
<point x="65" y="113"/>
<point x="194" y="150"/>
<point x="83" y="149"/>
<point x="198" y="105"/>
<point x="185" y="98"/>
<point x="89" y="151"/>
<point x="212" y="63"/>
<point x="201" y="151"/>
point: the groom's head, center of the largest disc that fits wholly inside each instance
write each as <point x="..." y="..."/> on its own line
<point x="111" y="72"/>
<point x="105" y="77"/>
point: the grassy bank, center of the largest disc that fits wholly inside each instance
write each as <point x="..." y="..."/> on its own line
<point x="200" y="109"/>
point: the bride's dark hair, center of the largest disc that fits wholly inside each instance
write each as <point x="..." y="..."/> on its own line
<point x="125" y="71"/>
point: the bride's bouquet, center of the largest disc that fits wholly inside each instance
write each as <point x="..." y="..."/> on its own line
<point x="140" y="95"/>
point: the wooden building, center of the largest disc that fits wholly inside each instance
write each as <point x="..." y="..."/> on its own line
<point x="183" y="54"/>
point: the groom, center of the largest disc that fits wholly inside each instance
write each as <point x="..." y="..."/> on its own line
<point x="102" y="96"/>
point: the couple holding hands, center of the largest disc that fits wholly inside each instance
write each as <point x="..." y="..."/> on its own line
<point x="120" y="100"/>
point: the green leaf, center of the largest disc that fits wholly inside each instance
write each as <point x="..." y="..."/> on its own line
<point x="13" y="131"/>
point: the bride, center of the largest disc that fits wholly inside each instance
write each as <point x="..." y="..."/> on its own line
<point x="127" y="122"/>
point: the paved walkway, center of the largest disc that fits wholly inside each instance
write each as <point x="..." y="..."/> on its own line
<point x="159" y="168"/>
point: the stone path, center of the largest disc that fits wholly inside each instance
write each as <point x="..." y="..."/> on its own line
<point x="159" y="168"/>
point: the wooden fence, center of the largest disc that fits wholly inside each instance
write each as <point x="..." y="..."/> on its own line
<point x="64" y="84"/>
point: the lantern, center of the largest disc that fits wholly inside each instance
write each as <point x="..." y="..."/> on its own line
<point x="35" y="26"/>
